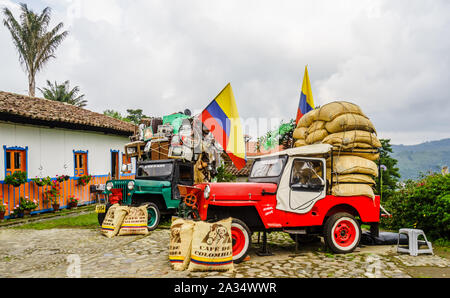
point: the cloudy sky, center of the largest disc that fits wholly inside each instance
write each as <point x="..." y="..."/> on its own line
<point x="390" y="57"/>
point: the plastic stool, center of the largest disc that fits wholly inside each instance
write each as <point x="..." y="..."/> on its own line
<point x="413" y="242"/>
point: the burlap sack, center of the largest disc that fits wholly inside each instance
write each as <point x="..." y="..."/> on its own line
<point x="346" y="122"/>
<point x="300" y="142"/>
<point x="346" y="178"/>
<point x="333" y="109"/>
<point x="212" y="246"/>
<point x="348" y="164"/>
<point x="316" y="125"/>
<point x="316" y="136"/>
<point x="307" y="119"/>
<point x="113" y="220"/>
<point x="365" y="153"/>
<point x="135" y="222"/>
<point x="299" y="133"/>
<point x="180" y="243"/>
<point x="349" y="138"/>
<point x="348" y="190"/>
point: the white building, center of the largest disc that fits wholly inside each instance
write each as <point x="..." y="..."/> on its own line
<point x="48" y="138"/>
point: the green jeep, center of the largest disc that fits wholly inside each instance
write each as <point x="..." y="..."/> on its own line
<point x="155" y="186"/>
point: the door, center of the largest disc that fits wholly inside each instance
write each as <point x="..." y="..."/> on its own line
<point x="115" y="165"/>
<point x="302" y="185"/>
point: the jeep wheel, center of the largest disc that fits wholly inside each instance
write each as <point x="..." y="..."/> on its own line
<point x="241" y="237"/>
<point x="342" y="233"/>
<point x="154" y="216"/>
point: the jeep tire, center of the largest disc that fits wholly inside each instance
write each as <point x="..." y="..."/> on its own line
<point x="241" y="240"/>
<point x="342" y="232"/>
<point x="154" y="216"/>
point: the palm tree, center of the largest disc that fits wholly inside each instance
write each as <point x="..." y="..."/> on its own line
<point x="35" y="44"/>
<point x="63" y="93"/>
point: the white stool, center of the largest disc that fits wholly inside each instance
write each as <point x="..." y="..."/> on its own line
<point x="413" y="242"/>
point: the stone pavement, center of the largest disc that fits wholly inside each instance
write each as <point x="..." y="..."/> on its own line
<point x="87" y="253"/>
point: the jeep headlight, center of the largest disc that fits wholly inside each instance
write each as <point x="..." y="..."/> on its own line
<point x="109" y="186"/>
<point x="131" y="185"/>
<point x="206" y="192"/>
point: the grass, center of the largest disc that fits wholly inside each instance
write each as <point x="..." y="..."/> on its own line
<point x="86" y="221"/>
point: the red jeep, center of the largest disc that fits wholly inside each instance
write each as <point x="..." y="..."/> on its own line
<point x="288" y="191"/>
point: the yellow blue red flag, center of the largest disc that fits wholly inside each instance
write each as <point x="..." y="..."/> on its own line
<point x="306" y="99"/>
<point x="221" y="117"/>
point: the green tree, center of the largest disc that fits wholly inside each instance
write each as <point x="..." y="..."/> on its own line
<point x="34" y="42"/>
<point x="135" y="116"/>
<point x="115" y="114"/>
<point x="389" y="172"/>
<point x="223" y="175"/>
<point x="63" y="93"/>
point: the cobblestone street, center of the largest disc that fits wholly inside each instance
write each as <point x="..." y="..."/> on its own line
<point x="56" y="252"/>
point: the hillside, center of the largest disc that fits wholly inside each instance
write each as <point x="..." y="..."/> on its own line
<point x="414" y="159"/>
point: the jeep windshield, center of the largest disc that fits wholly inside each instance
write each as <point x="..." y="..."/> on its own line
<point x="155" y="171"/>
<point x="267" y="169"/>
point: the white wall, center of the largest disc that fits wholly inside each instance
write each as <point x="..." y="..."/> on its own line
<point x="50" y="150"/>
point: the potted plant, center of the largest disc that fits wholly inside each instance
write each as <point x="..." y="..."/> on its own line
<point x="84" y="180"/>
<point x="73" y="202"/>
<point x="52" y="195"/>
<point x="62" y="178"/>
<point x="27" y="205"/>
<point x="42" y="181"/>
<point x="16" y="179"/>
<point x="17" y="212"/>
<point x="3" y="209"/>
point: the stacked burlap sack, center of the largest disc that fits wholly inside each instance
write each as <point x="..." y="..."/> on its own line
<point x="344" y="126"/>
<point x="201" y="246"/>
<point x="125" y="220"/>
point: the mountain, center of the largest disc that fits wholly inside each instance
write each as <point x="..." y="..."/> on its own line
<point x="421" y="158"/>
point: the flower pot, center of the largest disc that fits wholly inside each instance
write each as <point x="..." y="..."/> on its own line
<point x="72" y="205"/>
<point x="26" y="212"/>
<point x="55" y="207"/>
<point x="2" y="215"/>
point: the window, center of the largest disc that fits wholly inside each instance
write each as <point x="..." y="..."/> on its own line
<point x="81" y="167"/>
<point x="126" y="161"/>
<point x="307" y="174"/>
<point x="267" y="167"/>
<point x="15" y="159"/>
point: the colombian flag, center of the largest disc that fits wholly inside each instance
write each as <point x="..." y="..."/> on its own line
<point x="221" y="117"/>
<point x="306" y="99"/>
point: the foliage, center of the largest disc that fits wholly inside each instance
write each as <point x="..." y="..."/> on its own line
<point x="63" y="93"/>
<point x="223" y="175"/>
<point x="16" y="179"/>
<point x="26" y="204"/>
<point x="52" y="194"/>
<point x="422" y="204"/>
<point x="281" y="135"/>
<point x="115" y="114"/>
<point x="84" y="180"/>
<point x="42" y="181"/>
<point x="35" y="43"/>
<point x="62" y="178"/>
<point x="390" y="175"/>
<point x="135" y="116"/>
<point x="73" y="200"/>
<point x="3" y="208"/>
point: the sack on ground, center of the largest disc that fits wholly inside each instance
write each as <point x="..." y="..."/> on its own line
<point x="212" y="246"/>
<point x="135" y="222"/>
<point x="346" y="122"/>
<point x="349" y="138"/>
<point x="180" y="243"/>
<point x="113" y="220"/>
<point x="348" y="164"/>
<point x="333" y="109"/>
<point x="348" y="190"/>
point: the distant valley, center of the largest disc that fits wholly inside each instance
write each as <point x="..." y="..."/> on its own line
<point x="424" y="157"/>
